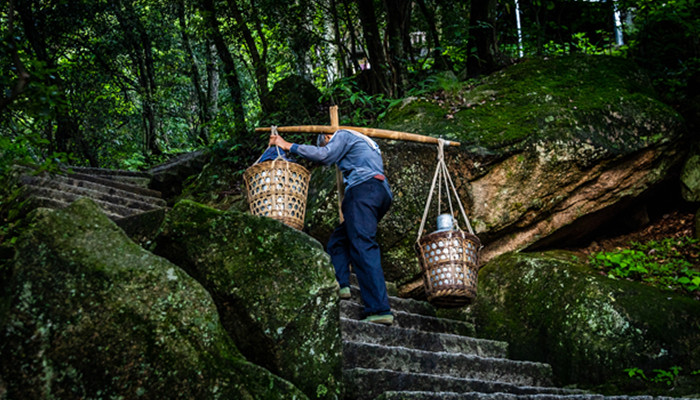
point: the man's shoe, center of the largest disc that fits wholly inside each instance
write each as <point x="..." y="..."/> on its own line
<point x="387" y="319"/>
<point x="345" y="293"/>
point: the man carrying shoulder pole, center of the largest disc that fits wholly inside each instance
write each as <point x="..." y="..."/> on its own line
<point x="367" y="199"/>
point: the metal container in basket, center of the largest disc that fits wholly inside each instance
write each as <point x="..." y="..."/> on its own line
<point x="450" y="270"/>
<point x="278" y="189"/>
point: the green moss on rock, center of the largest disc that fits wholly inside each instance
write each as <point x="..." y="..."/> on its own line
<point x="93" y="315"/>
<point x="551" y="308"/>
<point x="274" y="286"/>
<point x="598" y="100"/>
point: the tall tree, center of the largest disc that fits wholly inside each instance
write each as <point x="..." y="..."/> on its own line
<point x="141" y="53"/>
<point x="398" y="15"/>
<point x="202" y="98"/>
<point x="482" y="37"/>
<point x="22" y="75"/>
<point x="258" y="56"/>
<point x="441" y="61"/>
<point x="229" y="67"/>
<point x="380" y="72"/>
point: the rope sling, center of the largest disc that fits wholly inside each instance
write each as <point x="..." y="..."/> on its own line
<point x="278" y="189"/>
<point x="448" y="256"/>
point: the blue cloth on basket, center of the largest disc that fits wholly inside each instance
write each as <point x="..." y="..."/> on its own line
<point x="271" y="154"/>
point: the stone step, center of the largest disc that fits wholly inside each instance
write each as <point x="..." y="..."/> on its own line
<point x="138" y="189"/>
<point x="372" y="356"/>
<point x="114" y="211"/>
<point x="352" y="310"/>
<point x="399" y="304"/>
<point x="96" y="191"/>
<point x="122" y="206"/>
<point x="136" y="178"/>
<point x="426" y="395"/>
<point x="365" y="332"/>
<point x="366" y="384"/>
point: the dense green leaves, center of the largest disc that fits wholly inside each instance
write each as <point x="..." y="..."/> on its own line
<point x="669" y="263"/>
<point x="126" y="83"/>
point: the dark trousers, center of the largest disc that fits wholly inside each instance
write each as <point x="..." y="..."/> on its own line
<point x="354" y="241"/>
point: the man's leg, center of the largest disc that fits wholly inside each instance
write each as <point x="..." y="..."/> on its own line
<point x="363" y="206"/>
<point x="337" y="248"/>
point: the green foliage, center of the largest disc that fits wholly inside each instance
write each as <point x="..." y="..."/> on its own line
<point x="665" y="38"/>
<point x="661" y="376"/>
<point x="359" y="107"/>
<point x="669" y="263"/>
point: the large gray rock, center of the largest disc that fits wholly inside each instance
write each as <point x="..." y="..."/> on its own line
<point x="87" y="313"/>
<point x="551" y="149"/>
<point x="274" y="286"/>
<point x="551" y="308"/>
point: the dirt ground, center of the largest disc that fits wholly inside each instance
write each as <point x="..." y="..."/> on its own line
<point x="676" y="223"/>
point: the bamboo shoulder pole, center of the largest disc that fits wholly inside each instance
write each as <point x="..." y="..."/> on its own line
<point x="371" y="132"/>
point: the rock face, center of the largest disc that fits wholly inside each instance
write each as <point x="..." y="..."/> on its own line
<point x="551" y="149"/>
<point x="690" y="177"/>
<point x="550" y="308"/>
<point x="87" y="313"/>
<point x="274" y="287"/>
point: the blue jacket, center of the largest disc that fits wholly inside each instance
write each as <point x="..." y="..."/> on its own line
<point x="357" y="156"/>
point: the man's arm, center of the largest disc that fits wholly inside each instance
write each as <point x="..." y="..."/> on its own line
<point x="328" y="154"/>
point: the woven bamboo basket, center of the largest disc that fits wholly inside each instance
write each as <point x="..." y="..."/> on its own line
<point x="449" y="260"/>
<point x="278" y="189"/>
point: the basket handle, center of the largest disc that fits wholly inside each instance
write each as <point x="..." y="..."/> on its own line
<point x="443" y="176"/>
<point x="273" y="132"/>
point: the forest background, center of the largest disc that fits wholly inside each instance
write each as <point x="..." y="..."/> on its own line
<point x="129" y="83"/>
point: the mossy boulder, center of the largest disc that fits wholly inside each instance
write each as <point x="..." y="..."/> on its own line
<point x="90" y="314"/>
<point x="274" y="286"/>
<point x="551" y="148"/>
<point x="552" y="308"/>
<point x="690" y="176"/>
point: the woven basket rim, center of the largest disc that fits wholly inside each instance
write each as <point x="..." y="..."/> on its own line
<point x="449" y="234"/>
<point x="268" y="165"/>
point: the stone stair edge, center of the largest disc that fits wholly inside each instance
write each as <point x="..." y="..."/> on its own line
<point x="353" y="310"/>
<point x="117" y="184"/>
<point x="46" y="202"/>
<point x="367" y="381"/>
<point x="108" y="171"/>
<point x="470" y="356"/>
<point x="427" y="395"/>
<point x="110" y="209"/>
<point x="95" y="190"/>
<point x="128" y="206"/>
<point x="366" y="332"/>
<point x="416" y="306"/>
<point x="404" y="359"/>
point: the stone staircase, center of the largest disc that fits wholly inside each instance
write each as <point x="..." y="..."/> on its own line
<point x="423" y="357"/>
<point x="120" y="194"/>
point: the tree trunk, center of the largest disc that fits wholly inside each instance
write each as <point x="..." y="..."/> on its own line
<point x="22" y="74"/>
<point x="259" y="62"/>
<point x="212" y="81"/>
<point x="354" y="42"/>
<point x="341" y="66"/>
<point x="398" y="17"/>
<point x="441" y="61"/>
<point x="482" y="22"/>
<point x="231" y="75"/>
<point x="378" y="62"/>
<point x="203" y="105"/>
<point x="142" y="57"/>
<point x="60" y="131"/>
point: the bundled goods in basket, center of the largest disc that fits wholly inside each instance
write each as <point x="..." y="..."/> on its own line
<point x="277" y="188"/>
<point x="448" y="258"/>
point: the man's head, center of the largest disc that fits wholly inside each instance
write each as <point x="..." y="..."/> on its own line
<point x="323" y="139"/>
